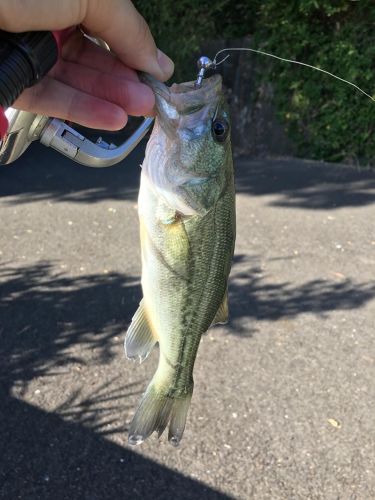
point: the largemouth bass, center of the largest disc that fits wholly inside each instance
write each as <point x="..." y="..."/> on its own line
<point x="187" y="226"/>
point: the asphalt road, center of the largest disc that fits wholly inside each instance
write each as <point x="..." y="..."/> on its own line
<point x="284" y="397"/>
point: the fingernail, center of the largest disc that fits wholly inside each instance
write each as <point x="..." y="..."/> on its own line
<point x="165" y="64"/>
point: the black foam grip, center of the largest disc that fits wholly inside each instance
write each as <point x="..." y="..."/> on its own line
<point x="24" y="59"/>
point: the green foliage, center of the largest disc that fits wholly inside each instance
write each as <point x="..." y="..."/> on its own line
<point x="181" y="27"/>
<point x="326" y="119"/>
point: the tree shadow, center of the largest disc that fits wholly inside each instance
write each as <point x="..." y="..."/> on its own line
<point x="45" y="457"/>
<point x="98" y="411"/>
<point x="44" y="313"/>
<point x="44" y="174"/>
<point x="305" y="184"/>
<point x="49" y="320"/>
<point x="252" y="297"/>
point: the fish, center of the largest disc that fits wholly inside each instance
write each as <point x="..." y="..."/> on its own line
<point x="186" y="209"/>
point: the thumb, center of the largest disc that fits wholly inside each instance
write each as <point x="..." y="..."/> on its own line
<point x="117" y="22"/>
<point x="128" y="35"/>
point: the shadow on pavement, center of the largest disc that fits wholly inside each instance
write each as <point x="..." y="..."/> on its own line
<point x="44" y="174"/>
<point x="64" y="454"/>
<point x="305" y="184"/>
<point x="44" y="457"/>
<point x="251" y="297"/>
<point x="43" y="314"/>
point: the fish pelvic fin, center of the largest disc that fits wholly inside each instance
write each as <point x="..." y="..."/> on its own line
<point x="139" y="340"/>
<point x="156" y="410"/>
<point x="222" y="314"/>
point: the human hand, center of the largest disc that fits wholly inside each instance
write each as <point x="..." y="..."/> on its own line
<point x="89" y="85"/>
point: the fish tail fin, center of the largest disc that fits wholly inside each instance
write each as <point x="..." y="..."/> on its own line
<point x="157" y="409"/>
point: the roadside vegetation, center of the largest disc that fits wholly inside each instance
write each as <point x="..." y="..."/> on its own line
<point x="325" y="118"/>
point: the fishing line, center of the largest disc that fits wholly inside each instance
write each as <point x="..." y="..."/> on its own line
<point x="215" y="64"/>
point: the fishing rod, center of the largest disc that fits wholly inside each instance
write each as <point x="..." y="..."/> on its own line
<point x="25" y="58"/>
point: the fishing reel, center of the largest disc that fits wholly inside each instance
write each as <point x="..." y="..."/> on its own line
<point x="24" y="59"/>
<point x="25" y="128"/>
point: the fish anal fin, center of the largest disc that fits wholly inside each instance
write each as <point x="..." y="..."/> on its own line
<point x="222" y="314"/>
<point x="139" y="340"/>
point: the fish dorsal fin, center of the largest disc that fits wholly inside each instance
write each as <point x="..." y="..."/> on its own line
<point x="223" y="311"/>
<point x="139" y="339"/>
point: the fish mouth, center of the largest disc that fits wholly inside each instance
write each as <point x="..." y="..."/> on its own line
<point x="182" y="106"/>
<point x="185" y="98"/>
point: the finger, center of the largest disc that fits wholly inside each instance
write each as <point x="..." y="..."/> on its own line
<point x="115" y="21"/>
<point x="128" y="35"/>
<point x="53" y="98"/>
<point x="135" y="97"/>
<point x="28" y="15"/>
<point x="81" y="50"/>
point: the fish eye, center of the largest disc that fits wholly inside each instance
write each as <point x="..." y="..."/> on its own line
<point x="220" y="129"/>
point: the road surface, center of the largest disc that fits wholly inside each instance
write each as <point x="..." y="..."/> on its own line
<point x="284" y="401"/>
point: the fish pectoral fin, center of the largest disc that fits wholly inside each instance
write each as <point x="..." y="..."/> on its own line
<point x="139" y="340"/>
<point x="165" y="214"/>
<point x="223" y="311"/>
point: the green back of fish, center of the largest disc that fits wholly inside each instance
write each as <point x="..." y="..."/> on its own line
<point x="185" y="267"/>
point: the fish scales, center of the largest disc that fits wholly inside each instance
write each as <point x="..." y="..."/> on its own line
<point x="187" y="226"/>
